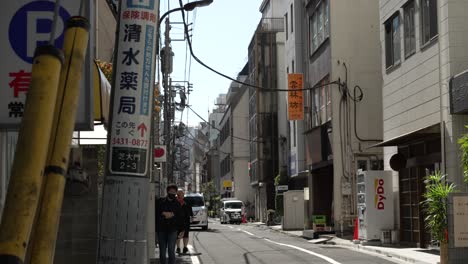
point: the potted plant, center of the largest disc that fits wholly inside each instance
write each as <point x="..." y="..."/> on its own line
<point x="435" y="206"/>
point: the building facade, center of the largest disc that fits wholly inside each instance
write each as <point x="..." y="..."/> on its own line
<point x="341" y="60"/>
<point x="266" y="59"/>
<point x="424" y="44"/>
<point x="294" y="63"/>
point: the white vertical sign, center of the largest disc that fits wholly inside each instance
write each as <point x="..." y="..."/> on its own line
<point x="133" y="84"/>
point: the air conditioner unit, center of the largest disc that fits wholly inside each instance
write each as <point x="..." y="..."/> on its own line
<point x="369" y="163"/>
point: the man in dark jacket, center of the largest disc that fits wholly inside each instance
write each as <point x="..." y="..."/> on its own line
<point x="169" y="224"/>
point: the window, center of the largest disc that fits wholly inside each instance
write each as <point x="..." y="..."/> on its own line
<point x="392" y="41"/>
<point x="292" y="66"/>
<point x="286" y="25"/>
<point x="319" y="26"/>
<point x="428" y="20"/>
<point x="294" y="124"/>
<point x="292" y="19"/>
<point x="320" y="100"/>
<point x="409" y="28"/>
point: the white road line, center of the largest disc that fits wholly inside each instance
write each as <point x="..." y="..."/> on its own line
<point x="194" y="259"/>
<point x="230" y="227"/>
<point x="247" y="232"/>
<point x="330" y="260"/>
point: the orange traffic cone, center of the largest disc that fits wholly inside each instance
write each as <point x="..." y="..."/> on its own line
<point x="356" y="230"/>
<point x="244" y="219"/>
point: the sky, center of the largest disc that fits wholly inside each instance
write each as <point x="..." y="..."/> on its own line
<point x="221" y="32"/>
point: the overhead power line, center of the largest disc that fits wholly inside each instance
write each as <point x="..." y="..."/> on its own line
<point x="233" y="79"/>
<point x="209" y="124"/>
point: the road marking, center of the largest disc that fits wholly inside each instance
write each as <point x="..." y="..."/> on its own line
<point x="194" y="259"/>
<point x="230" y="227"/>
<point x="330" y="260"/>
<point x="247" y="232"/>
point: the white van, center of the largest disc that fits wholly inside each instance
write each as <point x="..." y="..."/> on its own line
<point x="231" y="211"/>
<point x="200" y="212"/>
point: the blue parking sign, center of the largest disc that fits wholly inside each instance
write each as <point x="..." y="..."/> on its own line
<point x="31" y="27"/>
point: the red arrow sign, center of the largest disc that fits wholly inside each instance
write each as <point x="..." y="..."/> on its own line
<point x="143" y="129"/>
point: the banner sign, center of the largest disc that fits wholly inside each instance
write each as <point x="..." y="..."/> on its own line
<point x="295" y="98"/>
<point x="133" y="84"/>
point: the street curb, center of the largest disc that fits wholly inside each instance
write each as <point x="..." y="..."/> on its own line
<point x="357" y="247"/>
<point x="376" y="251"/>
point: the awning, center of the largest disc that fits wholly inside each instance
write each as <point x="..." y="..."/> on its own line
<point x="429" y="131"/>
<point x="102" y="90"/>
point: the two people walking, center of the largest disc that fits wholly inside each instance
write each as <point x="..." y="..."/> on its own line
<point x="172" y="223"/>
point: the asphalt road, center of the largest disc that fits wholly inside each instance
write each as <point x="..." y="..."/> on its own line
<point x="237" y="244"/>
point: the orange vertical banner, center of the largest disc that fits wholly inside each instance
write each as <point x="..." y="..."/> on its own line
<point x="295" y="98"/>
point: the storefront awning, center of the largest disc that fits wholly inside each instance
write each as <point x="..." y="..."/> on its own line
<point x="432" y="130"/>
<point x="102" y="90"/>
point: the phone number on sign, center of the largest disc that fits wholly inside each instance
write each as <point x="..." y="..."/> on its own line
<point x="133" y="142"/>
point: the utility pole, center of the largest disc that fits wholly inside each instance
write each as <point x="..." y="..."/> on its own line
<point x="123" y="229"/>
<point x="167" y="69"/>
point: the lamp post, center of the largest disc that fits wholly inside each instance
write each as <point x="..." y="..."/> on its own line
<point x="187" y="7"/>
<point x="167" y="69"/>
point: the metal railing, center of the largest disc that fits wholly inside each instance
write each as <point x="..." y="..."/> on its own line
<point x="271" y="24"/>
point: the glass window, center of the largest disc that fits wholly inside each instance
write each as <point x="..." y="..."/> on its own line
<point x="286" y="25"/>
<point x="392" y="41"/>
<point x="292" y="19"/>
<point x="409" y="28"/>
<point x="194" y="201"/>
<point x="319" y="25"/>
<point x="428" y="20"/>
<point x="396" y="40"/>
<point x="326" y="18"/>
<point x="233" y="205"/>
<point x="315" y="32"/>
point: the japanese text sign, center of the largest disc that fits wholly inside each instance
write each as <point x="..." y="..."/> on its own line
<point x="295" y="98"/>
<point x="460" y="218"/>
<point x="133" y="83"/>
<point x="27" y="24"/>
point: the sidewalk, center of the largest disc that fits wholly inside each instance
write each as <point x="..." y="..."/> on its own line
<point x="180" y="259"/>
<point x="409" y="255"/>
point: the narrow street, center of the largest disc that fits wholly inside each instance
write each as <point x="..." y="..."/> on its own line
<point x="236" y="244"/>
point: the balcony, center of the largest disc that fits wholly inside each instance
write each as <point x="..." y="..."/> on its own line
<point x="271" y="24"/>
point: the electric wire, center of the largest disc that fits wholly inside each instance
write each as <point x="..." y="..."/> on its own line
<point x="233" y="79"/>
<point x="245" y="139"/>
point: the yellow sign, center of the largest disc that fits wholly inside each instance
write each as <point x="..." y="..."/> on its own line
<point x="227" y="184"/>
<point x="295" y="98"/>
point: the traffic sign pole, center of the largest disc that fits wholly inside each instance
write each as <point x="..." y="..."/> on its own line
<point x="123" y="231"/>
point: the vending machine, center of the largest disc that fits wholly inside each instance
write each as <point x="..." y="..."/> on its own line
<point x="374" y="203"/>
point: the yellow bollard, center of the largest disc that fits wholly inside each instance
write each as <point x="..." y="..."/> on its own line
<point x="31" y="152"/>
<point x="47" y="225"/>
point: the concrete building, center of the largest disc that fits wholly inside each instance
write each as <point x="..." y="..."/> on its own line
<point x="424" y="44"/>
<point x="234" y="150"/>
<point x="340" y="45"/>
<point x="195" y="173"/>
<point x="215" y="117"/>
<point x="294" y="63"/>
<point x="212" y="156"/>
<point x="266" y="59"/>
<point x="225" y="154"/>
